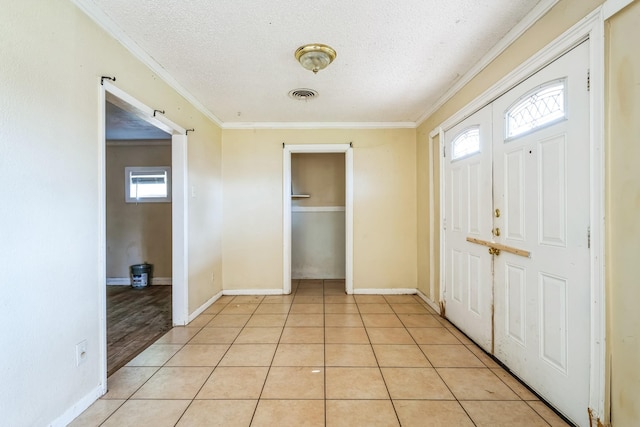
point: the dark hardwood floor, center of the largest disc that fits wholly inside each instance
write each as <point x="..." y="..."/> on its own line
<point x="135" y="319"/>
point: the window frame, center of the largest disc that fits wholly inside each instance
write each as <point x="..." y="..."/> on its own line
<point x="539" y="88"/>
<point x="464" y="131"/>
<point x="128" y="170"/>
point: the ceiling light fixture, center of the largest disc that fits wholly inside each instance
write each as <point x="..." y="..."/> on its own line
<point x="315" y="56"/>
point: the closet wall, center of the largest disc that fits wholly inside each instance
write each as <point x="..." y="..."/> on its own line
<point x="318" y="221"/>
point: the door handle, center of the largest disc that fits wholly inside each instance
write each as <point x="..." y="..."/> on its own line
<point x="494" y="251"/>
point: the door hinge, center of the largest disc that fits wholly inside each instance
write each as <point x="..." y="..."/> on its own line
<point x="444" y="151"/>
<point x="588" y="237"/>
<point x="589" y="80"/>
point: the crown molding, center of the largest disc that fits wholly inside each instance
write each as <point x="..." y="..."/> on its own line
<point x="319" y="125"/>
<point x="527" y="22"/>
<point x="611" y="7"/>
<point x="107" y="24"/>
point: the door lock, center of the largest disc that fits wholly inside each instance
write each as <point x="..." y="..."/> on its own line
<point x="497" y="213"/>
<point x="496" y="232"/>
<point x="494" y="251"/>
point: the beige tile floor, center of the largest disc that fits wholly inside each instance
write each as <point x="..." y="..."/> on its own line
<point x="316" y="357"/>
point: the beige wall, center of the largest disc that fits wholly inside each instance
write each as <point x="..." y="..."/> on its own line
<point x="204" y="199"/>
<point x="136" y="232"/>
<point x="321" y="175"/>
<point x="424" y="173"/>
<point x="50" y="165"/>
<point x="384" y="205"/>
<point x="623" y="214"/>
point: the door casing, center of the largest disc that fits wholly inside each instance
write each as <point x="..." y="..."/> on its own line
<point x="287" y="150"/>
<point x="179" y="213"/>
<point x="592" y="28"/>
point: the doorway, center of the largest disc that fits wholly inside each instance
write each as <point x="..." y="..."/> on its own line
<point x="178" y="238"/>
<point x="138" y="230"/>
<point x="346" y="151"/>
<point x="516" y="209"/>
<point x="317" y="217"/>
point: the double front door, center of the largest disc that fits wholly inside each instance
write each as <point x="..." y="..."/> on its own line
<point x="516" y="231"/>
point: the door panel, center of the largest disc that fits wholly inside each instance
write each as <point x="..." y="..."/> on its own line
<point x="541" y="186"/>
<point x="526" y="188"/>
<point x="514" y="176"/>
<point x="468" y="278"/>
<point x="553" y="200"/>
<point x="516" y="319"/>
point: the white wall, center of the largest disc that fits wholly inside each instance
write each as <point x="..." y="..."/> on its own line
<point x="317" y="244"/>
<point x="50" y="169"/>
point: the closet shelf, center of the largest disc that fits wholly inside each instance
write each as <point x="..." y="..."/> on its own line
<point x="300" y="196"/>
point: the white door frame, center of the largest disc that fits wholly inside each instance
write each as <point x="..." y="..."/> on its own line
<point x="592" y="28"/>
<point x="286" y="207"/>
<point x="179" y="211"/>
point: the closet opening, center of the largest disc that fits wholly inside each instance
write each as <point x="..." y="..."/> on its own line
<point x="318" y="217"/>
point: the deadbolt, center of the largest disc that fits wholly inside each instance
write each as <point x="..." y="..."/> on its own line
<point x="497" y="213"/>
<point x="496" y="232"/>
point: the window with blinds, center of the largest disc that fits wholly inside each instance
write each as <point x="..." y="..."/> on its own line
<point x="145" y="184"/>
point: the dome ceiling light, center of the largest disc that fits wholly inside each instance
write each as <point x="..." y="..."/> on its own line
<point x="315" y="56"/>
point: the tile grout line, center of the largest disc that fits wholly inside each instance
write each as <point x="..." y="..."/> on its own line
<point x="214" y="368"/>
<point x="442" y="379"/>
<point x="255" y="410"/>
<point x="324" y="333"/>
<point x="324" y="351"/>
<point x="395" y="411"/>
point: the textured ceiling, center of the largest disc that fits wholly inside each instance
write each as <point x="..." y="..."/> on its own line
<point x="395" y="58"/>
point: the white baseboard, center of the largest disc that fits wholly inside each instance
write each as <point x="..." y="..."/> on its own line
<point x="203" y="307"/>
<point x="252" y="292"/>
<point x="126" y="281"/>
<point x="386" y="291"/>
<point x="429" y="302"/>
<point x="79" y="407"/>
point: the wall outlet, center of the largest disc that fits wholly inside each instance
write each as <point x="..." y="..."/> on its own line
<point x="81" y="352"/>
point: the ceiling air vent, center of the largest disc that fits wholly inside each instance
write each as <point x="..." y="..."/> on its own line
<point x="303" y="94"/>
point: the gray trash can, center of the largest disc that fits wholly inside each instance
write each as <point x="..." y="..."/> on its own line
<point x="141" y="275"/>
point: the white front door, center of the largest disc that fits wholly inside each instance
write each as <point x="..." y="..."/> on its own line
<point x="467" y="176"/>
<point x="523" y="185"/>
<point x="541" y="187"/>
